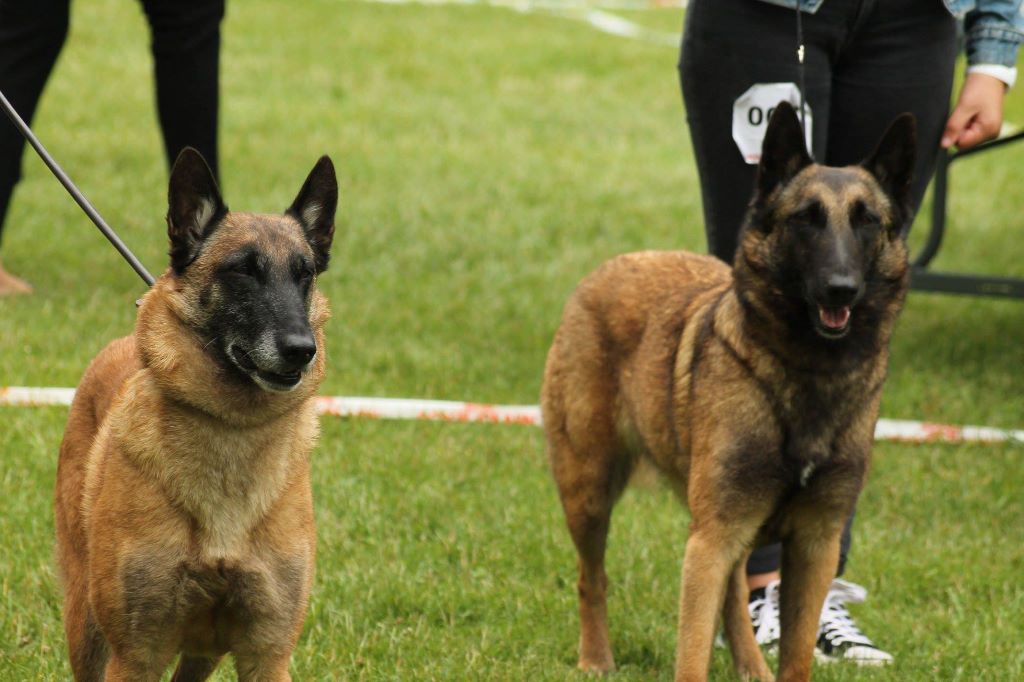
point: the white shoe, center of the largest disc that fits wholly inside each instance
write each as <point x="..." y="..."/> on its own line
<point x="839" y="638"/>
<point x="764" y="614"/>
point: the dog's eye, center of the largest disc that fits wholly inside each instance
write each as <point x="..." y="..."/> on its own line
<point x="862" y="216"/>
<point x="810" y="216"/>
<point x="303" y="271"/>
<point x="245" y="268"/>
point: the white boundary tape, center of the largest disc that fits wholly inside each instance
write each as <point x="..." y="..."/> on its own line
<point x="454" y="411"/>
<point x="594" y="14"/>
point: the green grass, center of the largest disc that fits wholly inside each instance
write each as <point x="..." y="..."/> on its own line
<point x="488" y="159"/>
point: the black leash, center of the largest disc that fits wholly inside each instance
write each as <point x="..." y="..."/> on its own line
<point x="800" y="68"/>
<point x="75" y="193"/>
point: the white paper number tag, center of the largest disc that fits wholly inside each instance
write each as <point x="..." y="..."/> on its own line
<point x="752" y="110"/>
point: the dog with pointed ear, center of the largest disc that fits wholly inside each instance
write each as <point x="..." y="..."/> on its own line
<point x="835" y="232"/>
<point x="314" y="208"/>
<point x="892" y="165"/>
<point x="784" y="155"/>
<point x="252" y="275"/>
<point x="754" y="389"/>
<point x="184" y="508"/>
<point x="195" y="208"/>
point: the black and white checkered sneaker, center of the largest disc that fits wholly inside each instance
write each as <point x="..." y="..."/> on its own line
<point x="839" y="638"/>
<point x="764" y="614"/>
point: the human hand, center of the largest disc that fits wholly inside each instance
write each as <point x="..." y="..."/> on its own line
<point x="978" y="114"/>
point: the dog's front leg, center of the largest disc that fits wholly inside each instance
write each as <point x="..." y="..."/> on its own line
<point x="711" y="553"/>
<point x="739" y="632"/>
<point x="809" y="559"/>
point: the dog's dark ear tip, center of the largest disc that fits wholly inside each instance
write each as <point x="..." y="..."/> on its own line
<point x="189" y="151"/>
<point x="906" y="121"/>
<point x="325" y="169"/>
<point x="783" y="107"/>
<point x="784" y="113"/>
<point x="188" y="156"/>
<point x="323" y="165"/>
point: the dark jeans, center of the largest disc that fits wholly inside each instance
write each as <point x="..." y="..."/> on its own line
<point x="867" y="61"/>
<point x="186" y="48"/>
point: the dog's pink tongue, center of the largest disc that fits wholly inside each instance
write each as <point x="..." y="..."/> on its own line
<point x="834" y="318"/>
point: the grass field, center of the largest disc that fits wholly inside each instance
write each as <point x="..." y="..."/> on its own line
<point x="488" y="159"/>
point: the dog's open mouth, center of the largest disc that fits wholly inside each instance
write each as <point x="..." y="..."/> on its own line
<point x="833" y="321"/>
<point x="273" y="381"/>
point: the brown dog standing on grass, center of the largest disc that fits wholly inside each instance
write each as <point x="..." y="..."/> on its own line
<point x="754" y="390"/>
<point x="183" y="508"/>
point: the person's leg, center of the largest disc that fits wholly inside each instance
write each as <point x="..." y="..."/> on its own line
<point x="32" y="33"/>
<point x="729" y="46"/>
<point x="902" y="59"/>
<point x="186" y="55"/>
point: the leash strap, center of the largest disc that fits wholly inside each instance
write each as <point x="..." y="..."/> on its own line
<point x="800" y="68"/>
<point x="75" y="193"/>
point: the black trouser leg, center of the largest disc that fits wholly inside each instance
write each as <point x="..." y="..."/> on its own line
<point x="728" y="46"/>
<point x="186" y="54"/>
<point x="768" y="558"/>
<point x="32" y="33"/>
<point x="902" y="60"/>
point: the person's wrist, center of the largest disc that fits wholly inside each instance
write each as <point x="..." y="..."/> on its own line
<point x="1007" y="75"/>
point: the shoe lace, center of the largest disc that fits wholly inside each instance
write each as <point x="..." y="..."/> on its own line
<point x="837" y="625"/>
<point x="764" y="613"/>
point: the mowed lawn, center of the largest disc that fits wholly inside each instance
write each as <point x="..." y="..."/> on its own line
<point x="488" y="159"/>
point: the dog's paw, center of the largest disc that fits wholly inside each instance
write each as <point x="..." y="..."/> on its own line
<point x="753" y="674"/>
<point x="600" y="665"/>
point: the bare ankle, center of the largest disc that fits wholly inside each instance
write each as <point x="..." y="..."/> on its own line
<point x="756" y="580"/>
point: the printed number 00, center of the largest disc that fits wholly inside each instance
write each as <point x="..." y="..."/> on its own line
<point x="756" y="116"/>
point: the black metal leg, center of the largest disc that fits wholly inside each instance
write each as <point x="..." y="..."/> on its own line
<point x="923" y="279"/>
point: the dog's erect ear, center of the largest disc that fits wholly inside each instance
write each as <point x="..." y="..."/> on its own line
<point x="314" y="209"/>
<point x="892" y="163"/>
<point x="783" y="151"/>
<point x="194" y="206"/>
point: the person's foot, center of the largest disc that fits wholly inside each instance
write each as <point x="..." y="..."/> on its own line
<point x="839" y="638"/>
<point x="764" y="614"/>
<point x="11" y="285"/>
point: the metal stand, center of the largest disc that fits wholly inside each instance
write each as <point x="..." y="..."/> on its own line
<point x="923" y="279"/>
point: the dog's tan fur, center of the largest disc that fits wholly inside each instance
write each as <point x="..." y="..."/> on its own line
<point x="183" y="506"/>
<point x="679" y="360"/>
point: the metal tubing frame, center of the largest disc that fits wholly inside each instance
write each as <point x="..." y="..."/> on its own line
<point x="924" y="279"/>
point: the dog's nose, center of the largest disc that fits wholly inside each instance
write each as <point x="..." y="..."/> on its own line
<point x="841" y="289"/>
<point x="297" y="349"/>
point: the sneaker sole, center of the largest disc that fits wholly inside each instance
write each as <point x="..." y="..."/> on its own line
<point x="822" y="657"/>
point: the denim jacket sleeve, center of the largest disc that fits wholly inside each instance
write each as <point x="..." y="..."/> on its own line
<point x="993" y="29"/>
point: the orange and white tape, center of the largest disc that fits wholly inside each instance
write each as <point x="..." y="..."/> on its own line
<point x="898" y="430"/>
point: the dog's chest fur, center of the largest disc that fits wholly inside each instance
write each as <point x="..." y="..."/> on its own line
<point x="225" y="479"/>
<point x="216" y="600"/>
<point x="812" y="412"/>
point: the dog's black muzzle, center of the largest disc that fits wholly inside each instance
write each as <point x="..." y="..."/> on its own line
<point x="833" y="301"/>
